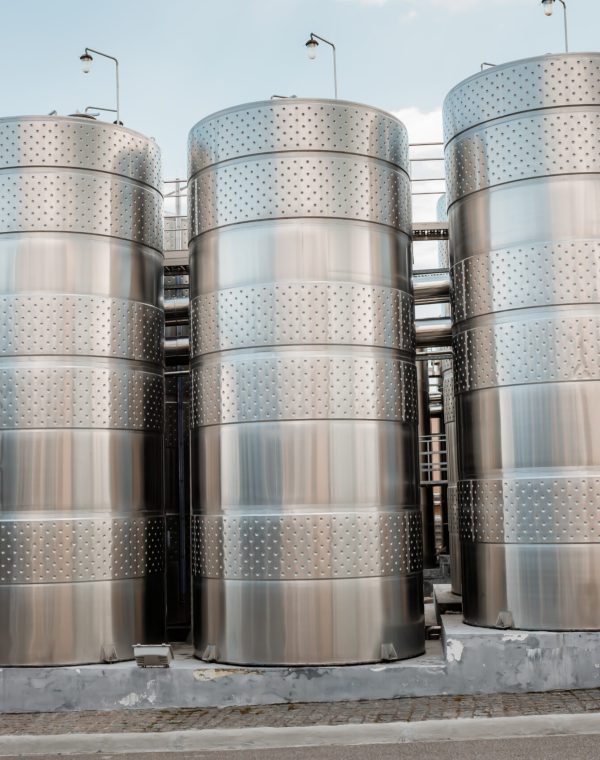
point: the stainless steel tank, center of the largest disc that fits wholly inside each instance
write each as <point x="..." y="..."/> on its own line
<point x="306" y="526"/>
<point x="81" y="407"/>
<point x="452" y="474"/>
<point x="523" y="172"/>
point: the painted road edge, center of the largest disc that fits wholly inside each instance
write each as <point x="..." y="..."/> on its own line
<point x="352" y="734"/>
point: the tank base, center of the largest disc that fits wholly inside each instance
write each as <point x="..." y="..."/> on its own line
<point x="532" y="587"/>
<point x="321" y="622"/>
<point x="79" y="623"/>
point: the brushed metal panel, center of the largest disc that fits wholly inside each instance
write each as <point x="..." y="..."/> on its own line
<point x="329" y="621"/>
<point x="525" y="427"/>
<point x="541" y="586"/>
<point x="79" y="623"/>
<point x="52" y="263"/>
<point x="546" y="210"/>
<point x="321" y="466"/>
<point x="301" y="250"/>
<point x="452" y="476"/>
<point x="109" y="471"/>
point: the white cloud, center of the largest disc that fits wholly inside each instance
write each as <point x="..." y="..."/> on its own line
<point x="423" y="126"/>
<point x="453" y="6"/>
<point x="365" y="2"/>
<point x="457" y="6"/>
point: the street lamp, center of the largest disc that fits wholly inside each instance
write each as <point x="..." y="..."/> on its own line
<point x="548" y="6"/>
<point x="86" y="66"/>
<point x="311" y="49"/>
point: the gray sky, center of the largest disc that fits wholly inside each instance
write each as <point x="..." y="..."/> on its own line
<point x="183" y="59"/>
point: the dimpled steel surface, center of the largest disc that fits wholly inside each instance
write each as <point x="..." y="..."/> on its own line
<point x="306" y="532"/>
<point x="451" y="457"/>
<point x="522" y="150"/>
<point x="81" y="407"/>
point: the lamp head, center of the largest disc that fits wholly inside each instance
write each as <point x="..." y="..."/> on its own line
<point x="548" y="6"/>
<point x="86" y="62"/>
<point x="311" y="48"/>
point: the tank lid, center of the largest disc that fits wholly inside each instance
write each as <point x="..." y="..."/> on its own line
<point x="547" y="81"/>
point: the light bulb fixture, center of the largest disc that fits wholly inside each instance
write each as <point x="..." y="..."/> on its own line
<point x="311" y="48"/>
<point x="86" y="62"/>
<point x="548" y="6"/>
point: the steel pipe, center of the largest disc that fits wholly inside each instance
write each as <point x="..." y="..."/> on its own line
<point x="177" y="310"/>
<point x="431" y="288"/>
<point x="434" y="332"/>
<point x="177" y="350"/>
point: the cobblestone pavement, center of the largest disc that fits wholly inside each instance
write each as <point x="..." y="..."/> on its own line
<point x="331" y="713"/>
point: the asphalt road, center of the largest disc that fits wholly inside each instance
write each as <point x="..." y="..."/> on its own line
<point x="543" y="748"/>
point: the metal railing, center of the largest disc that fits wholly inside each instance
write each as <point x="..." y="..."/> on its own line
<point x="433" y="465"/>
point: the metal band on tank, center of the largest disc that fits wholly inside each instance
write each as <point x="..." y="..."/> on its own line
<point x="89" y="326"/>
<point x="281" y="314"/>
<point x="517" y="148"/>
<point x="453" y="517"/>
<point x="544" y="274"/>
<point x="448" y="396"/>
<point x="81" y="202"/>
<point x="282" y="127"/>
<point x="303" y="386"/>
<point x="84" y="549"/>
<point x="296" y="547"/>
<point x="555" y="510"/>
<point x="544" y="82"/>
<point x="55" y="396"/>
<point x="275" y="187"/>
<point x="71" y="143"/>
<point x="552" y="349"/>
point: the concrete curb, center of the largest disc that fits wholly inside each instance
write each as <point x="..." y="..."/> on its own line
<point x="306" y="736"/>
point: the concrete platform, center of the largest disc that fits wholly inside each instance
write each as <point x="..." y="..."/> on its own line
<point x="468" y="660"/>
<point x="445" y="601"/>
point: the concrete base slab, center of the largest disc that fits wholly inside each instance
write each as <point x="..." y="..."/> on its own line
<point x="433" y="576"/>
<point x="445" y="601"/>
<point x="469" y="661"/>
<point x="493" y="660"/>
